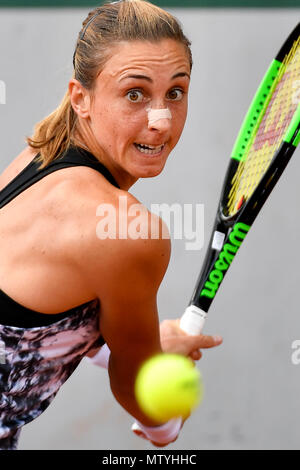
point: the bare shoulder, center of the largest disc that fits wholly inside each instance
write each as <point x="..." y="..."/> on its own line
<point x="16" y="166"/>
<point x="126" y="243"/>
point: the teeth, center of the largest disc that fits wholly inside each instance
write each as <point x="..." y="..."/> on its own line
<point x="149" y="149"/>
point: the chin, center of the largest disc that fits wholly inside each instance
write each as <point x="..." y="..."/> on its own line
<point x="149" y="172"/>
<point x="147" y="166"/>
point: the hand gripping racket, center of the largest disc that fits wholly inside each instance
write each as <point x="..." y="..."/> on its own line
<point x="267" y="139"/>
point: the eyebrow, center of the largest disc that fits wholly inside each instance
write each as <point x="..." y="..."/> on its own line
<point x="144" y="77"/>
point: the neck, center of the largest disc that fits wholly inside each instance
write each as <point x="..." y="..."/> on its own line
<point x="124" y="179"/>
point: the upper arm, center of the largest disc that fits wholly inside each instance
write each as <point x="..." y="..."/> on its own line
<point x="125" y="274"/>
<point x="128" y="315"/>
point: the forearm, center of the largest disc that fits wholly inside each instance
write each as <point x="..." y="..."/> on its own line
<point x="122" y="383"/>
<point x="159" y="435"/>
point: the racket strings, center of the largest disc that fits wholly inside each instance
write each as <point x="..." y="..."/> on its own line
<point x="271" y="126"/>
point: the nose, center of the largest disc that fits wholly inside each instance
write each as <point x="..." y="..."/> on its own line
<point x="159" y="119"/>
<point x="161" y="125"/>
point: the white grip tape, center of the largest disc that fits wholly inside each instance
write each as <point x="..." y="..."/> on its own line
<point x="193" y="319"/>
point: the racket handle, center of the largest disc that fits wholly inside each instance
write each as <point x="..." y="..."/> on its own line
<point x="193" y="319"/>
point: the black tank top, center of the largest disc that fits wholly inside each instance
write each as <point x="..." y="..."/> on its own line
<point x="11" y="312"/>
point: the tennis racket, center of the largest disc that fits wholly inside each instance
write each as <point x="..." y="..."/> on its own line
<point x="267" y="139"/>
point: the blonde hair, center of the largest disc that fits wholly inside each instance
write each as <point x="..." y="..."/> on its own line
<point x="105" y="26"/>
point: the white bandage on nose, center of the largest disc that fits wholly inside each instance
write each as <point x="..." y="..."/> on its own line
<point x="158" y="114"/>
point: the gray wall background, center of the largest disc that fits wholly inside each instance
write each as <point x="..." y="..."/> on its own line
<point x="251" y="386"/>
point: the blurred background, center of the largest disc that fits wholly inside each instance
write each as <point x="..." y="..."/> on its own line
<point x="252" y="388"/>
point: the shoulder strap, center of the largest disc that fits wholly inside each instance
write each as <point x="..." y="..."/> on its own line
<point x="74" y="156"/>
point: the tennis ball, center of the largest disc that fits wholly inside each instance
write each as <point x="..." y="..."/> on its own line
<point x="168" y="386"/>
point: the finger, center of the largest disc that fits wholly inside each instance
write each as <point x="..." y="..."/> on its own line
<point x="206" y="341"/>
<point x="135" y="428"/>
<point x="140" y="434"/>
<point x="196" y="355"/>
<point x="158" y="444"/>
<point x="137" y="431"/>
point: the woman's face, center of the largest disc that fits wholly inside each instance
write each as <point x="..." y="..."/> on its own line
<point x="140" y="76"/>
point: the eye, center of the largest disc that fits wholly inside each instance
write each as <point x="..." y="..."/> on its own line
<point x="175" y="94"/>
<point x="135" y="96"/>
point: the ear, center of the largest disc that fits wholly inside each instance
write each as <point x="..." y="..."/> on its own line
<point x="80" y="98"/>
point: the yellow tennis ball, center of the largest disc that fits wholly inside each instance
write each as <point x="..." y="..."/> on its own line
<point x="168" y="386"/>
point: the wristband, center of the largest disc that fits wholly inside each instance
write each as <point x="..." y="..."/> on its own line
<point x="101" y="358"/>
<point x="164" y="434"/>
<point x="161" y="434"/>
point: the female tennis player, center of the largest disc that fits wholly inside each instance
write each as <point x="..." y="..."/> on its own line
<point x="67" y="290"/>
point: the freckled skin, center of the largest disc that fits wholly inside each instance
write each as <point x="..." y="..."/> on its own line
<point x="117" y="123"/>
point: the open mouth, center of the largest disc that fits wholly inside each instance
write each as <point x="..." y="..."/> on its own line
<point x="149" y="149"/>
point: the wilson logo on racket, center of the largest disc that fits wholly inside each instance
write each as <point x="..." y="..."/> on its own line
<point x="224" y="260"/>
